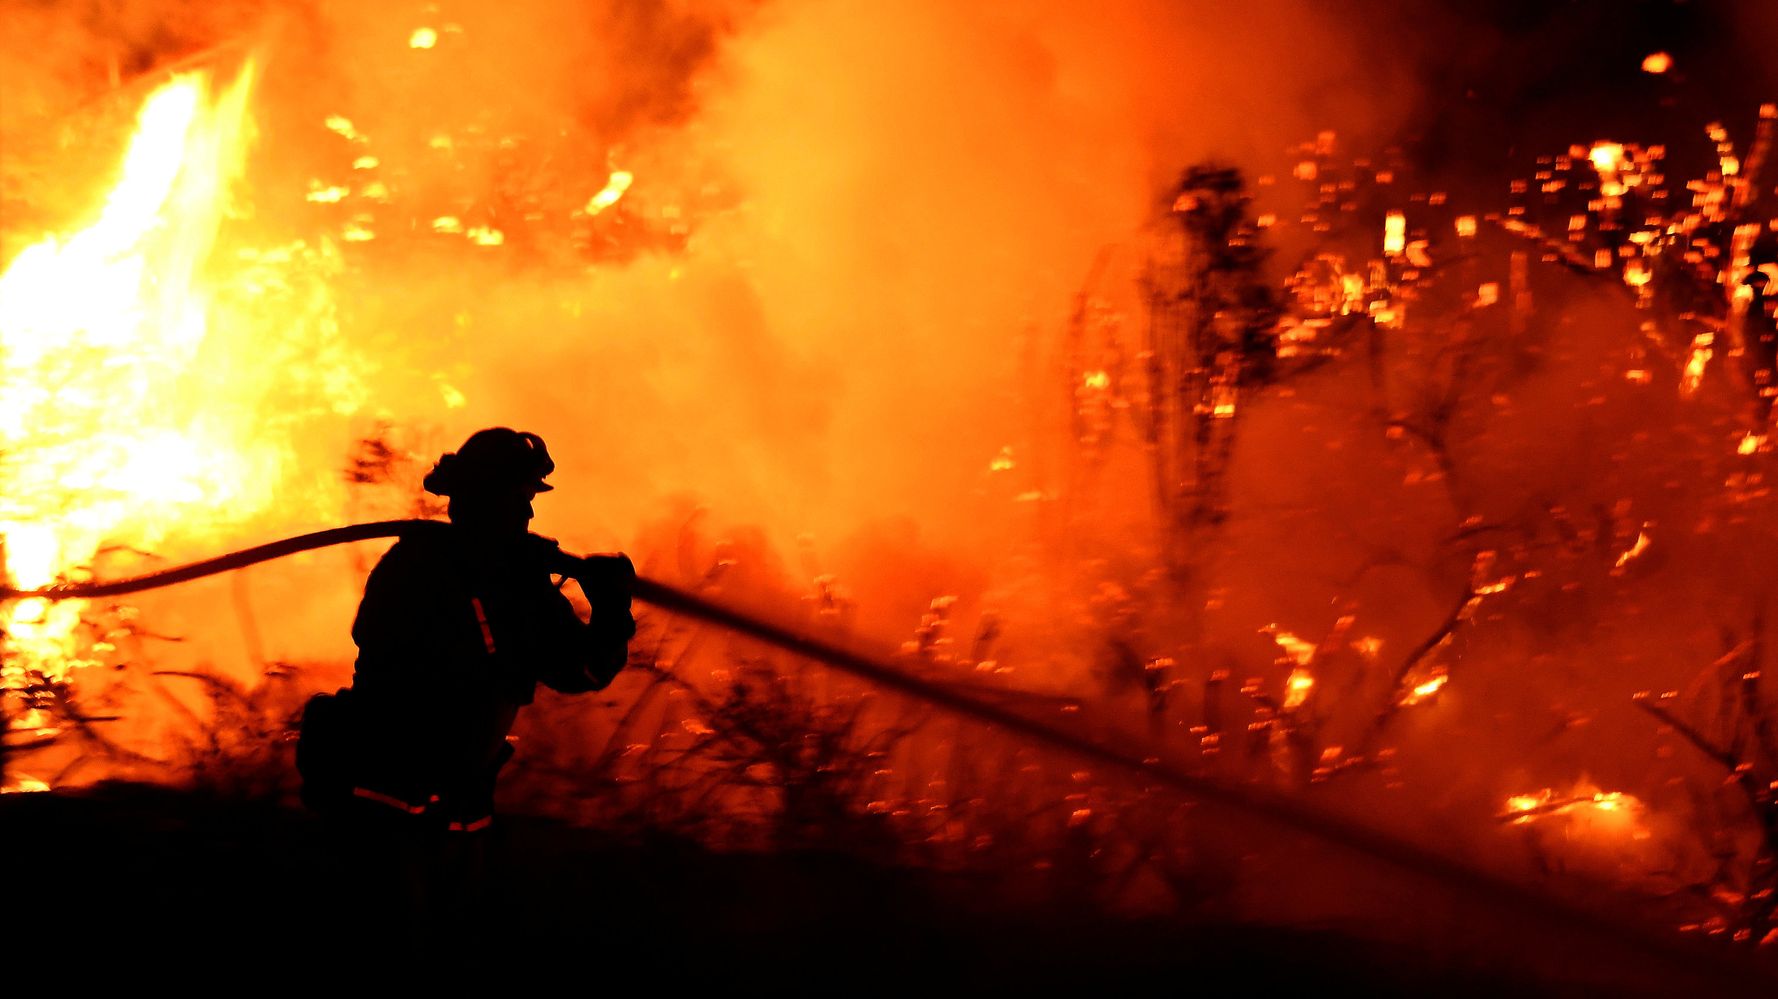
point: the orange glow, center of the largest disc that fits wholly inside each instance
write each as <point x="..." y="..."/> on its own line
<point x="1657" y="63"/>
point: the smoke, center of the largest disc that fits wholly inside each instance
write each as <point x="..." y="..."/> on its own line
<point x="826" y="311"/>
<point x="885" y="214"/>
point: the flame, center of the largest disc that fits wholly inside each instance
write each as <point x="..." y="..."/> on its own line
<point x="1657" y="63"/>
<point x="1635" y="551"/>
<point x="138" y="393"/>
<point x="23" y="784"/>
<point x="423" y="38"/>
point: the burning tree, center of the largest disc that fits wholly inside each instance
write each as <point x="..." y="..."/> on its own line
<point x="1210" y="332"/>
<point x="1447" y="325"/>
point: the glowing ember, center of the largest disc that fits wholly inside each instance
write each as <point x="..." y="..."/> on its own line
<point x="1422" y="692"/>
<point x="344" y="127"/>
<point x="1607" y="157"/>
<point x="1695" y="363"/>
<point x="1523" y="804"/>
<point x="1297" y="687"/>
<point x="614" y="189"/>
<point x="422" y="38"/>
<point x="1657" y="63"/>
<point x="1299" y="651"/>
<point x="1608" y="812"/>
<point x="1395" y="227"/>
<point x="1635" y="551"/>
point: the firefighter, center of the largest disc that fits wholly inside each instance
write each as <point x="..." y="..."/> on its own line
<point x="457" y="627"/>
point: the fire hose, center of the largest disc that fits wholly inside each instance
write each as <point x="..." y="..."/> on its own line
<point x="1497" y="890"/>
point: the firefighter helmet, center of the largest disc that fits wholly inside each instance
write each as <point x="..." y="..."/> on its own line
<point x="492" y="459"/>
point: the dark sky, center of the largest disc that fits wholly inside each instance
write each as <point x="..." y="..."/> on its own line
<point x="1512" y="79"/>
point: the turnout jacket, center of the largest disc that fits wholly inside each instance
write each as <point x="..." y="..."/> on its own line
<point x="454" y="634"/>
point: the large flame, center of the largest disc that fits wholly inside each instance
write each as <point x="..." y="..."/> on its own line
<point x="136" y="389"/>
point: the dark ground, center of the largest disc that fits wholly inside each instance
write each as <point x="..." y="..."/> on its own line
<point x="170" y="887"/>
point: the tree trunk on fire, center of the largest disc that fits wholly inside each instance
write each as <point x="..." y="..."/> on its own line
<point x="1209" y="335"/>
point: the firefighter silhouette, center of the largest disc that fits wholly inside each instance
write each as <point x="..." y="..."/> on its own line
<point x="457" y="627"/>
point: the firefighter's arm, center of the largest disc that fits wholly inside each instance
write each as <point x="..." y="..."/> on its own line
<point x="588" y="655"/>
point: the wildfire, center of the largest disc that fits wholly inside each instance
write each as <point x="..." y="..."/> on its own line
<point x="139" y="392"/>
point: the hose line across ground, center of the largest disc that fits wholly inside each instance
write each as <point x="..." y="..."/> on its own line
<point x="1687" y="956"/>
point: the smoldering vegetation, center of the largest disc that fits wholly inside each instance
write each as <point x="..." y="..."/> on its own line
<point x="866" y="343"/>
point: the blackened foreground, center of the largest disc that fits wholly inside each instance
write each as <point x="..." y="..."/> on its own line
<point x="174" y="888"/>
